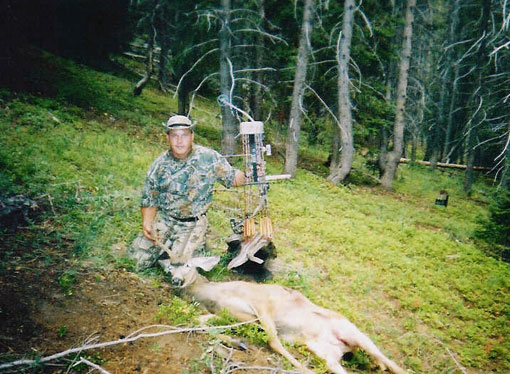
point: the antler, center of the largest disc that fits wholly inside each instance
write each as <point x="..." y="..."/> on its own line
<point x="248" y="251"/>
<point x="184" y="247"/>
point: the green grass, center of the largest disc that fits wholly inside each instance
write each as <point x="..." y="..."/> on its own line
<point x="406" y="271"/>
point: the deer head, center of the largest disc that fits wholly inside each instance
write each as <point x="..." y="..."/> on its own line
<point x="184" y="275"/>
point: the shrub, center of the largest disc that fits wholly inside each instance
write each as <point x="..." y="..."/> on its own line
<point x="496" y="228"/>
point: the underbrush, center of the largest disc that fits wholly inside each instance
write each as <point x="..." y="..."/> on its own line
<point x="406" y="271"/>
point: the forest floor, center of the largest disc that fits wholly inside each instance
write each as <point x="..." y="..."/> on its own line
<point x="50" y="316"/>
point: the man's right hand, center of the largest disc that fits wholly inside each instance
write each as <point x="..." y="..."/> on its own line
<point x="148" y="216"/>
<point x="147" y="232"/>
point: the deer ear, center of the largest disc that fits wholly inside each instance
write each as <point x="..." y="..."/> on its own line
<point x="205" y="263"/>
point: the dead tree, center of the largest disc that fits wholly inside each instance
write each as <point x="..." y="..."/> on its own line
<point x="477" y="97"/>
<point x="450" y="59"/>
<point x="392" y="158"/>
<point x="228" y="141"/>
<point x="339" y="170"/>
<point x="295" y="118"/>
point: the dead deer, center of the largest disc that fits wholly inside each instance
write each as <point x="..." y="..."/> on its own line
<point x="282" y="312"/>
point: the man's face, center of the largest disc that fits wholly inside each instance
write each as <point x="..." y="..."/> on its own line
<point x="180" y="141"/>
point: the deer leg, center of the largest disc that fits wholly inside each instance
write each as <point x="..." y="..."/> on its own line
<point x="357" y="338"/>
<point x="225" y="339"/>
<point x="329" y="353"/>
<point x="274" y="342"/>
<point x="204" y="318"/>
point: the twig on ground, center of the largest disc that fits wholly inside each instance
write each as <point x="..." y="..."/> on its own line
<point x="459" y="366"/>
<point x="91" y="364"/>
<point x="457" y="363"/>
<point x="267" y="368"/>
<point x="50" y="199"/>
<point x="116" y="342"/>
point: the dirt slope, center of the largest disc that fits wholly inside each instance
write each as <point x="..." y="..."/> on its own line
<point x="41" y="316"/>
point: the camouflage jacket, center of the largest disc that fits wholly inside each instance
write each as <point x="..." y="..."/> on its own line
<point x="184" y="188"/>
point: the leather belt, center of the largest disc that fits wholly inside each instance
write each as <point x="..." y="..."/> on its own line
<point x="186" y="219"/>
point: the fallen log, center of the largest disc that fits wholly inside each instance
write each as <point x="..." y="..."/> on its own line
<point x="443" y="165"/>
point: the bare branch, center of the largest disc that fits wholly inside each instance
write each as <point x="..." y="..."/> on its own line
<point x="266" y="88"/>
<point x="266" y="34"/>
<point x="506" y="145"/>
<point x="131" y="338"/>
<point x="198" y="88"/>
<point x="91" y="364"/>
<point x="232" y="78"/>
<point x="249" y="70"/>
<point x="187" y="50"/>
<point x="326" y="106"/>
<point x="232" y="106"/>
<point x="457" y="43"/>
<point x="193" y="66"/>
<point x="497" y="49"/>
<point x="365" y="18"/>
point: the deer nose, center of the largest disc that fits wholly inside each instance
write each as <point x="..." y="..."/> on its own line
<point x="176" y="282"/>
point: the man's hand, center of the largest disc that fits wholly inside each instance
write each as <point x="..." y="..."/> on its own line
<point x="239" y="179"/>
<point x="148" y="215"/>
<point x="147" y="232"/>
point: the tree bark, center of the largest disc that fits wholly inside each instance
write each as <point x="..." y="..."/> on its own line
<point x="162" y="63"/>
<point x="476" y="98"/>
<point x="259" y="58"/>
<point x="228" y="141"/>
<point x="183" y="98"/>
<point x="451" y="61"/>
<point x="343" y="168"/>
<point x="470" y="162"/>
<point x="393" y="157"/>
<point x="295" y="118"/>
<point x="505" y="175"/>
<point x="335" y="149"/>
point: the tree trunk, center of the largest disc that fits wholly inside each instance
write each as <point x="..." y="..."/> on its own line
<point x="448" y="147"/>
<point x="149" y="69"/>
<point x="423" y="75"/>
<point x="384" y="136"/>
<point x="470" y="162"/>
<point x="228" y="141"/>
<point x="434" y="144"/>
<point x="162" y="62"/>
<point x="335" y="149"/>
<point x="344" y="97"/>
<point x="259" y="60"/>
<point x="183" y="98"/>
<point x="451" y="61"/>
<point x="383" y="150"/>
<point x="393" y="157"/>
<point x="291" y="151"/>
<point x="476" y="98"/>
<point x="505" y="175"/>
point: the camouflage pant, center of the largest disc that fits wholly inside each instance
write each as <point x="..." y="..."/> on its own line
<point x="181" y="240"/>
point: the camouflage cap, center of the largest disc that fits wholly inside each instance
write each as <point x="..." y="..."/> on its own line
<point x="178" y="122"/>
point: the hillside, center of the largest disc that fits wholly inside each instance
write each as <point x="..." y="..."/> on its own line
<point x="75" y="140"/>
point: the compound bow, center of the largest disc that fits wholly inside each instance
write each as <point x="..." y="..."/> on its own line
<point x="255" y="196"/>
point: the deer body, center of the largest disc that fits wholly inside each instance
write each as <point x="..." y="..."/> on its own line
<point x="285" y="313"/>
